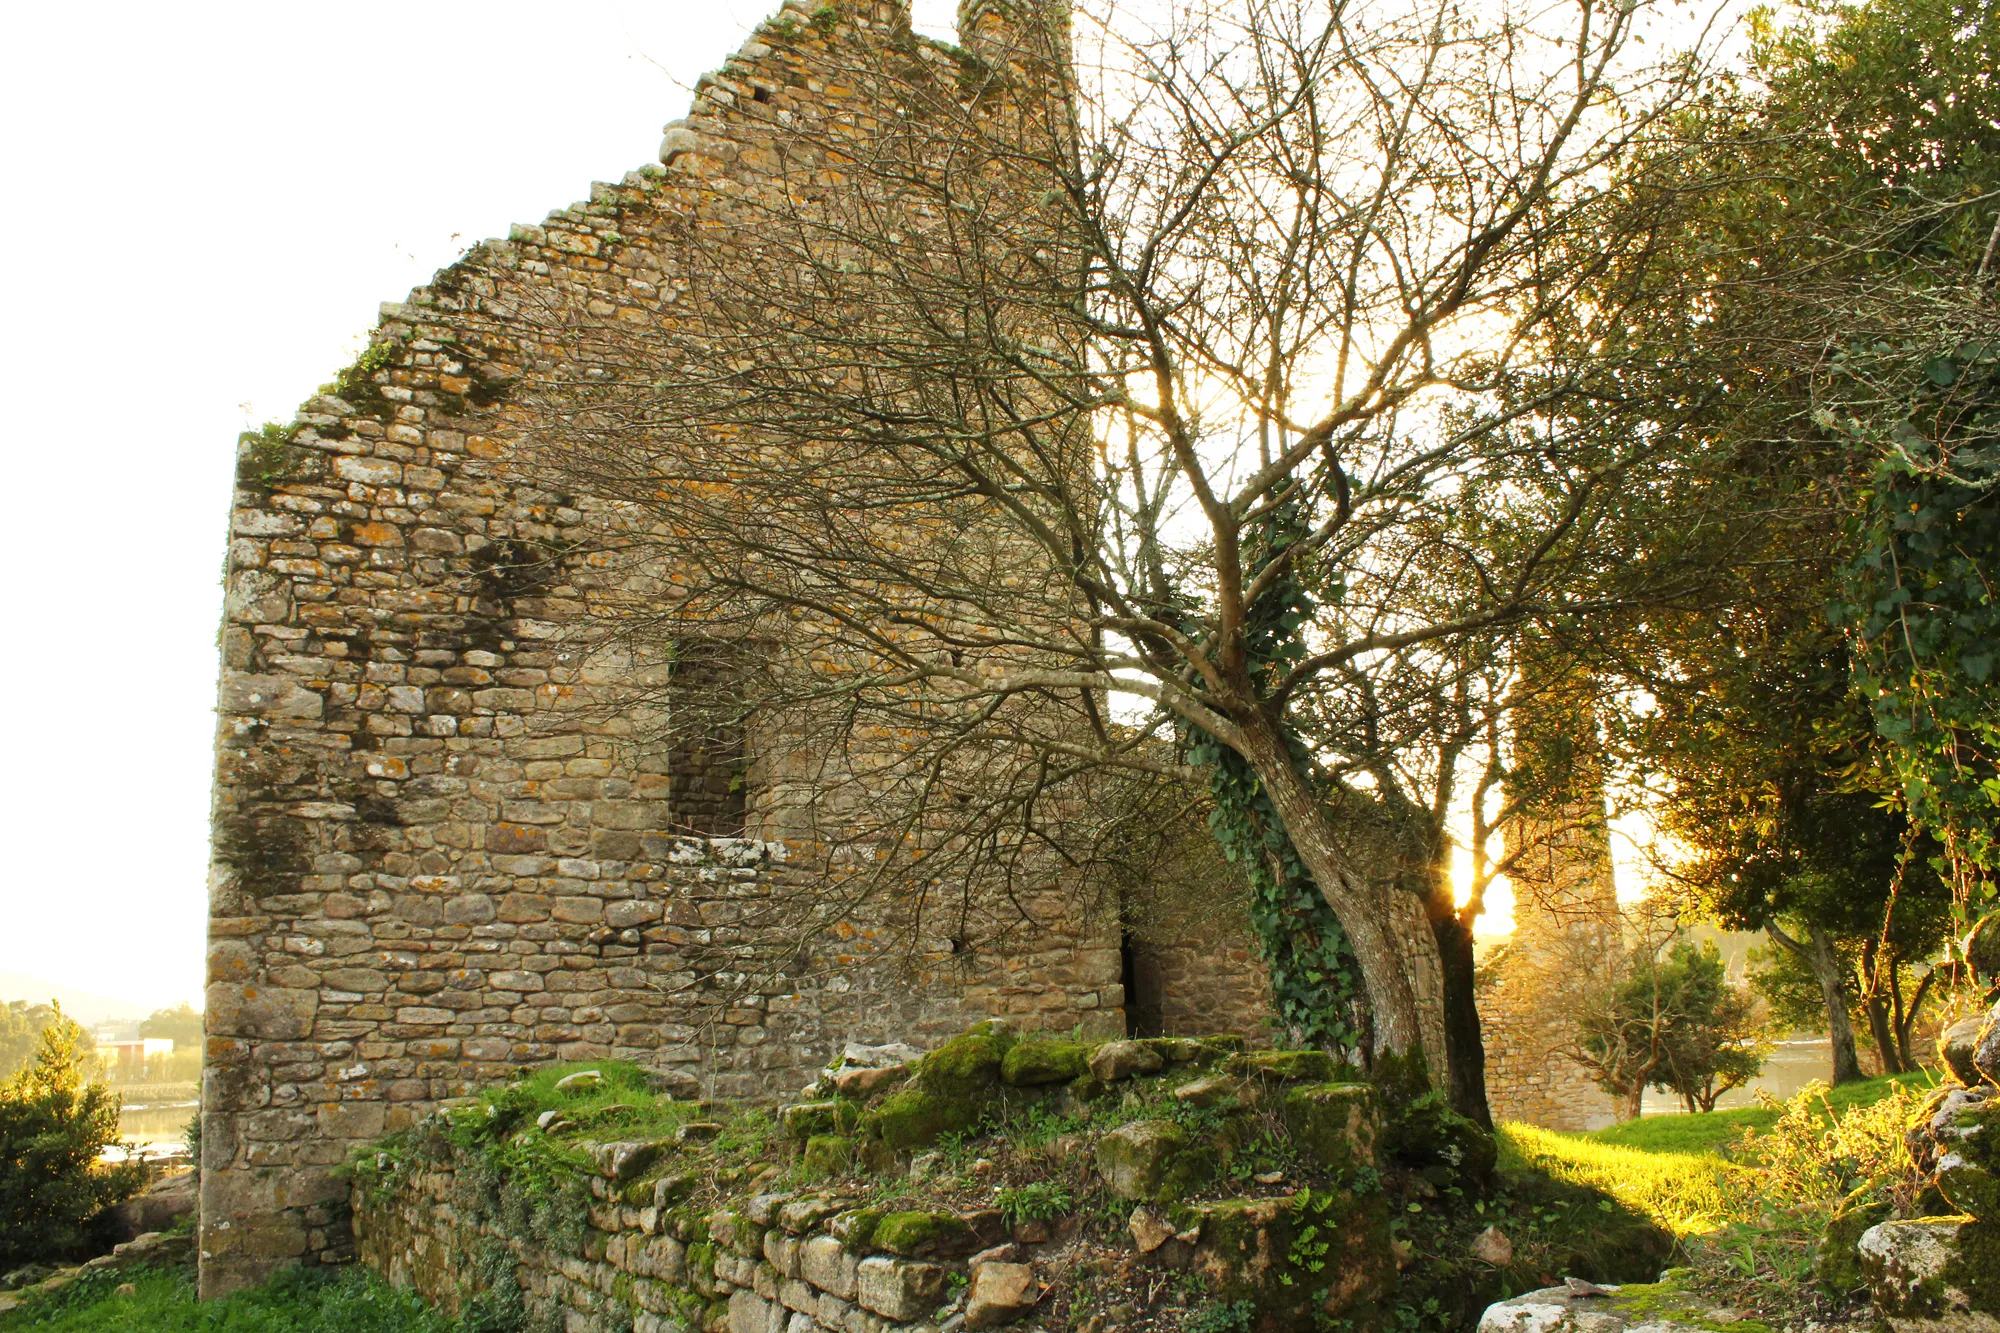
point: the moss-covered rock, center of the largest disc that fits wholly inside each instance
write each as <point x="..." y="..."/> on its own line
<point x="1031" y="1064"/>
<point x="1333" y="1123"/>
<point x="828" y="1155"/>
<point x="1932" y="1274"/>
<point x="808" y="1119"/>
<point x="856" y="1230"/>
<point x="924" y="1235"/>
<point x="1154" y="1161"/>
<point x="968" y="1065"/>
<point x="1297" y="1259"/>
<point x="913" y="1118"/>
<point x="1836" y="1260"/>
<point x="1425" y="1136"/>
<point x="1289" y="1066"/>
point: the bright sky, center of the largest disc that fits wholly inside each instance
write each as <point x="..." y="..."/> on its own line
<point x="205" y="203"/>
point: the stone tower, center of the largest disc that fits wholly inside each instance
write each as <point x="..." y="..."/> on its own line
<point x="434" y="860"/>
<point x="1567" y="934"/>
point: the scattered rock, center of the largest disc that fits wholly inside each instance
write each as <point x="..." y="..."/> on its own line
<point x="1491" y="1246"/>
<point x="1000" y="1294"/>
<point x="552" y="1122"/>
<point x="128" y="1290"/>
<point x="697" y="1131"/>
<point x="1116" y="1060"/>
<point x="1149" y="1229"/>
<point x="1032" y="1232"/>
<point x="1269" y="1177"/>
<point x="581" y="1079"/>
<point x="1008" y="1253"/>
<point x="865" y="1081"/>
<point x="924" y="1165"/>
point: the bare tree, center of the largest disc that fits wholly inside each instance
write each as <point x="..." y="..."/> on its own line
<point x="1055" y="382"/>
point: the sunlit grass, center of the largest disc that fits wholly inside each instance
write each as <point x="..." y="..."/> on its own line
<point x="1687" y="1193"/>
<point x="1715" y="1131"/>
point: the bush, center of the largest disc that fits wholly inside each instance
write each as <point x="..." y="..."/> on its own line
<point x="54" y="1122"/>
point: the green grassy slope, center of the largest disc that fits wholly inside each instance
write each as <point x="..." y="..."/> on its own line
<point x="1715" y="1131"/>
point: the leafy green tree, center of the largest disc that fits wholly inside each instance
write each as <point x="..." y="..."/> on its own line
<point x="1712" y="1043"/>
<point x="21" y="1025"/>
<point x="55" y="1121"/>
<point x="1674" y="1023"/>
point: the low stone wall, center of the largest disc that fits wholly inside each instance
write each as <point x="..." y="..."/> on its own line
<point x="752" y="1273"/>
<point x="586" y="1203"/>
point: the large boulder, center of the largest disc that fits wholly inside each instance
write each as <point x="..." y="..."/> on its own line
<point x="157" y="1208"/>
<point x="1299" y="1260"/>
<point x="1153" y="1161"/>
<point x="1585" y="1307"/>
<point x="1334" y="1123"/>
<point x="1934" y="1274"/>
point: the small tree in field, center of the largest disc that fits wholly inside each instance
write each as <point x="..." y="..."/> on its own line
<point x="55" y="1121"/>
<point x="1675" y="1023"/>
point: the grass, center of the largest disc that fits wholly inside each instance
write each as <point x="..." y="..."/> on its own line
<point x="1714" y="1132"/>
<point x="1687" y="1193"/>
<point x="348" y="1300"/>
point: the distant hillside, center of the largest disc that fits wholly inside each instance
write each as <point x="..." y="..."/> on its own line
<point x="86" y="1007"/>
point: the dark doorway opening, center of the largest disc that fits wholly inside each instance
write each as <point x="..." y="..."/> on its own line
<point x="1144" y="989"/>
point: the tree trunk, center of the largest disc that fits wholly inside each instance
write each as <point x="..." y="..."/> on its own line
<point x="1878" y="1016"/>
<point x="1628" y="1108"/>
<point x="1464" y="1043"/>
<point x="1817" y="953"/>
<point x="1374" y="929"/>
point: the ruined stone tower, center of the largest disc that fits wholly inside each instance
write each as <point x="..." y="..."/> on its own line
<point x="435" y="860"/>
<point x="1567" y="932"/>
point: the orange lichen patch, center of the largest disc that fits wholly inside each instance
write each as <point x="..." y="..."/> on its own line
<point x="483" y="446"/>
<point x="377" y="534"/>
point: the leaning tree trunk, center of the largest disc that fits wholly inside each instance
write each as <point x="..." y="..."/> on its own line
<point x="1389" y="945"/>
<point x="1816" y="952"/>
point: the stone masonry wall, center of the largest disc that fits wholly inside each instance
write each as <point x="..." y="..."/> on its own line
<point x="1567" y="931"/>
<point x="436" y="856"/>
<point x="778" y="1271"/>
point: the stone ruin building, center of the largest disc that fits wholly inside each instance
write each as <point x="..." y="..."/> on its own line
<point x="433" y="861"/>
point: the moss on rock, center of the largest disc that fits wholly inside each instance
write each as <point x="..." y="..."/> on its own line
<point x="809" y="1119"/>
<point x="1290" y="1066"/>
<point x="828" y="1155"/>
<point x="1034" y="1063"/>
<point x="1154" y="1161"/>
<point x="921" y="1234"/>
<point x="1334" y="1123"/>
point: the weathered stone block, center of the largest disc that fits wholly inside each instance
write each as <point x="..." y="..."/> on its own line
<point x="898" y="1288"/>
